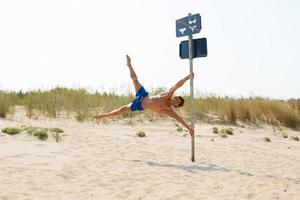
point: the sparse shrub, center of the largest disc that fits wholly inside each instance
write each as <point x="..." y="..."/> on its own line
<point x="223" y="134"/>
<point x="179" y="129"/>
<point x="11" y="130"/>
<point x="229" y="131"/>
<point x="284" y="135"/>
<point x="141" y="134"/>
<point x="42" y="133"/>
<point x="31" y="129"/>
<point x="296" y="138"/>
<point x="215" y="130"/>
<point x="43" y="136"/>
<point x="56" y="130"/>
<point x="267" y="139"/>
<point x="4" y="130"/>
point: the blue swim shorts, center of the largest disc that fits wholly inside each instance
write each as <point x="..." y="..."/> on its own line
<point x="137" y="102"/>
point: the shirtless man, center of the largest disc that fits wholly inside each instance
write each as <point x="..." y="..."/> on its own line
<point x="161" y="104"/>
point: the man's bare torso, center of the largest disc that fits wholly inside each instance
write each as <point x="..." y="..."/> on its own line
<point x="157" y="103"/>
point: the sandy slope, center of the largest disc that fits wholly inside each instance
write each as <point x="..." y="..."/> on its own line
<point x="108" y="161"/>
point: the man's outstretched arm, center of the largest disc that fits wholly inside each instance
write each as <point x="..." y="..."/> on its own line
<point x="180" y="83"/>
<point x="174" y="115"/>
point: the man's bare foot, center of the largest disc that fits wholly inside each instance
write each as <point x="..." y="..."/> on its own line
<point x="128" y="60"/>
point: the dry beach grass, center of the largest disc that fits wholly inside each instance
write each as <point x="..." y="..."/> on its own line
<point x="83" y="104"/>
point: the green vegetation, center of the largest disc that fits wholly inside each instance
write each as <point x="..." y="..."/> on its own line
<point x="229" y="131"/>
<point x="31" y="129"/>
<point x="224" y="132"/>
<point x="41" y="133"/>
<point x="215" y="130"/>
<point x="83" y="104"/>
<point x="223" y="135"/>
<point x="141" y="134"/>
<point x="56" y="130"/>
<point x="284" y="135"/>
<point x="179" y="129"/>
<point x="11" y="130"/>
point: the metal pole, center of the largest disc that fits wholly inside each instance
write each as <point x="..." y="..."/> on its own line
<point x="192" y="96"/>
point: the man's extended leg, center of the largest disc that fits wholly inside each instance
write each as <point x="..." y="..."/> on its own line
<point x="115" y="112"/>
<point x="133" y="75"/>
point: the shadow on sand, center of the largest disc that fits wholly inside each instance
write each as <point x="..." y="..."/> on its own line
<point x="190" y="168"/>
<point x="194" y="168"/>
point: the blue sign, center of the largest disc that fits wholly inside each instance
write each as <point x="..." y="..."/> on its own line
<point x="188" y="25"/>
<point x="199" y="48"/>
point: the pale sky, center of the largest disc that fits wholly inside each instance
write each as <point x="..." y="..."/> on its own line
<point x="253" y="45"/>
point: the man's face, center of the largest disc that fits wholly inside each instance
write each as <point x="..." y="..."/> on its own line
<point x="176" y="101"/>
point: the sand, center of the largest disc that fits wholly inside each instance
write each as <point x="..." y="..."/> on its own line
<point x="108" y="161"/>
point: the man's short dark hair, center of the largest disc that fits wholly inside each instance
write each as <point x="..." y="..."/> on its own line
<point x="181" y="101"/>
